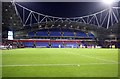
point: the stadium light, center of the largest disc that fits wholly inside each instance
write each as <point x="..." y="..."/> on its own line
<point x="108" y="2"/>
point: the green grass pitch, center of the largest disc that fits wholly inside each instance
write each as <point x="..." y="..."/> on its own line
<point x="60" y="62"/>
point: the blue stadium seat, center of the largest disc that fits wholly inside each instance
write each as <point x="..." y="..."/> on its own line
<point x="57" y="44"/>
<point x="28" y="44"/>
<point x="55" y="33"/>
<point x="41" y="33"/>
<point x="31" y="34"/>
<point x="42" y="44"/>
<point x="81" y="34"/>
<point x="68" y="34"/>
<point x="71" y="45"/>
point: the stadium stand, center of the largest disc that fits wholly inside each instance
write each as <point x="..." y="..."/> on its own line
<point x="42" y="44"/>
<point x="68" y="34"/>
<point x="28" y="44"/>
<point x="90" y="35"/>
<point x="60" y="28"/>
<point x="71" y="44"/>
<point x="31" y="34"/>
<point x="81" y="34"/>
<point x="55" y="33"/>
<point x="41" y="33"/>
<point x="57" y="44"/>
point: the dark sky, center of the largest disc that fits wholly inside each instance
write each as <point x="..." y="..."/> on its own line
<point x="65" y="9"/>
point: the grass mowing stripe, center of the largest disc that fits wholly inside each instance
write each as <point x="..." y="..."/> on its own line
<point x="60" y="63"/>
<point x="95" y="57"/>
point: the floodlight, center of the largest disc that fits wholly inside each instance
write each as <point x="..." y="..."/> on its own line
<point x="108" y="2"/>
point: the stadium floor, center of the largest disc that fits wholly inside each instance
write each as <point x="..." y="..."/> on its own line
<point x="60" y="62"/>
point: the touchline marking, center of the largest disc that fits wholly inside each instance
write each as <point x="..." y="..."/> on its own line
<point x="82" y="64"/>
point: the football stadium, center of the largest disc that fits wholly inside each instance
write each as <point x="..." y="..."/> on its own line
<point x="41" y="44"/>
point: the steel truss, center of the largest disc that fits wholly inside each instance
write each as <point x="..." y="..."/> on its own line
<point x="105" y="18"/>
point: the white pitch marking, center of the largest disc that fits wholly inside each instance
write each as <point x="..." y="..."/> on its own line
<point x="82" y="64"/>
<point x="42" y="65"/>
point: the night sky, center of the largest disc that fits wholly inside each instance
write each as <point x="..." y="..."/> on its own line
<point x="66" y="9"/>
